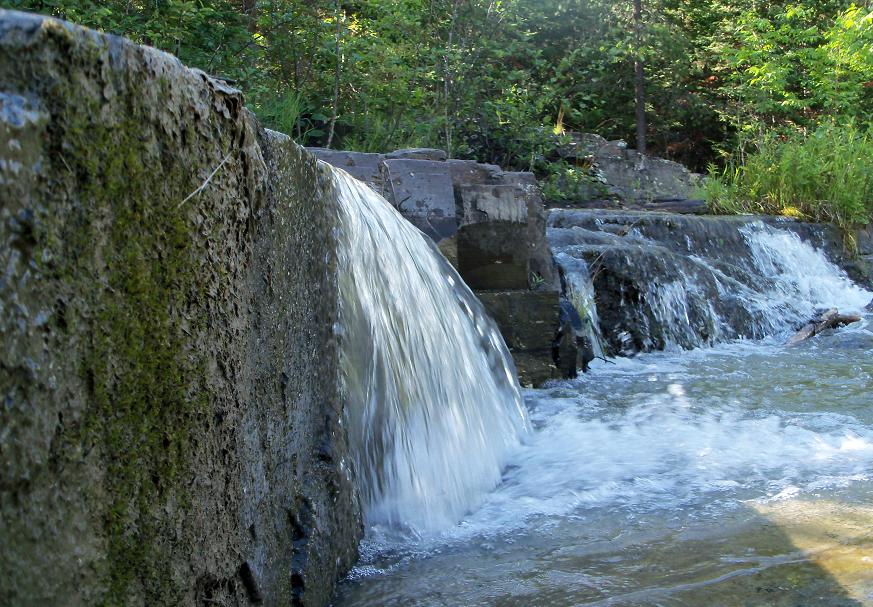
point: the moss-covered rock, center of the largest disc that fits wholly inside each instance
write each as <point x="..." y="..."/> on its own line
<point x="169" y="431"/>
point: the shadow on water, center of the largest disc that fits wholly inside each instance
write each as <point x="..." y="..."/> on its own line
<point x="794" y="554"/>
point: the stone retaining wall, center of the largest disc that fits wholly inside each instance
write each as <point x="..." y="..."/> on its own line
<point x="490" y="224"/>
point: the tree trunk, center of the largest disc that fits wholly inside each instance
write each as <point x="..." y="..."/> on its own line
<point x="250" y="10"/>
<point x="336" y="75"/>
<point x="828" y="320"/>
<point x="448" y="87"/>
<point x="639" y="78"/>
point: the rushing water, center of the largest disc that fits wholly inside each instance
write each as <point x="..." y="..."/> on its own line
<point x="427" y="377"/>
<point x="678" y="282"/>
<point x="733" y="475"/>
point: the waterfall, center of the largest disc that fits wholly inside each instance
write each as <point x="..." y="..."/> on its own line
<point x="579" y="290"/>
<point x="666" y="282"/>
<point x="801" y="277"/>
<point x="432" y="401"/>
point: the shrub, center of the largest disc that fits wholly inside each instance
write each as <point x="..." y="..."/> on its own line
<point x="823" y="175"/>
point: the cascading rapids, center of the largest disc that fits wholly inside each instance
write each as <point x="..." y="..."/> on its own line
<point x="683" y="282"/>
<point x="432" y="401"/>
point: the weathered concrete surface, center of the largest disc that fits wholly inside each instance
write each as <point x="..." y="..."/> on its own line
<point x="169" y="433"/>
<point x="486" y="203"/>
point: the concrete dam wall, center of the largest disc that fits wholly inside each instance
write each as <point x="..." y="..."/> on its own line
<point x="170" y="430"/>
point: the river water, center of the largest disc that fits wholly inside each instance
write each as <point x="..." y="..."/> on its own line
<point x="733" y="475"/>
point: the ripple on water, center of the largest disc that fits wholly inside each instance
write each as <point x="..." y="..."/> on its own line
<point x="665" y="479"/>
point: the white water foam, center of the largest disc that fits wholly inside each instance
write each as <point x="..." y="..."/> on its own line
<point x="658" y="445"/>
<point x="433" y="406"/>
<point x="800" y="274"/>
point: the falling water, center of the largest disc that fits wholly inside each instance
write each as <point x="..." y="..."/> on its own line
<point x="433" y="404"/>
<point x="799" y="277"/>
<point x="732" y="475"/>
<point x="681" y="292"/>
<point x="579" y="290"/>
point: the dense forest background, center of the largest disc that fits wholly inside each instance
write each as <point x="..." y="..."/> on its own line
<point x="503" y="81"/>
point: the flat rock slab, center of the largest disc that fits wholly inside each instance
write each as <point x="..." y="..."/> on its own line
<point x="360" y="165"/>
<point x="417" y="154"/>
<point x="422" y="191"/>
<point x="470" y="172"/>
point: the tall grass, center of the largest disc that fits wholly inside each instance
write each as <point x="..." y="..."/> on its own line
<point x="289" y="112"/>
<point x="825" y="175"/>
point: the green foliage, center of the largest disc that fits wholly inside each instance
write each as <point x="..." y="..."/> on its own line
<point x="496" y="81"/>
<point x="288" y="113"/>
<point x="790" y="67"/>
<point x="826" y="175"/>
<point x="567" y="183"/>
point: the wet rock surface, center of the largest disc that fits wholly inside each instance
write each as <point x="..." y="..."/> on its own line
<point x="490" y="224"/>
<point x="169" y="374"/>
<point x="666" y="280"/>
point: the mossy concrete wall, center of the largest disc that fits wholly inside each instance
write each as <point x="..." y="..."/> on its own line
<point x="169" y="426"/>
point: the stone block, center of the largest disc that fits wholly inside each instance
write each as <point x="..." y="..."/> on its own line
<point x="417" y="154"/>
<point x="422" y="191"/>
<point x="360" y="165"/>
<point x="470" y="172"/>
<point x="485" y="203"/>
<point x="541" y="263"/>
<point x="535" y="368"/>
<point x="528" y="320"/>
<point x="494" y="255"/>
<point x="449" y="248"/>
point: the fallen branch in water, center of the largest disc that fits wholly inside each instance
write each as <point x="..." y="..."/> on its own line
<point x="829" y="320"/>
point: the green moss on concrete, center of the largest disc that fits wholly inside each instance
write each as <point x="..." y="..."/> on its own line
<point x="128" y="243"/>
<point x="167" y="418"/>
